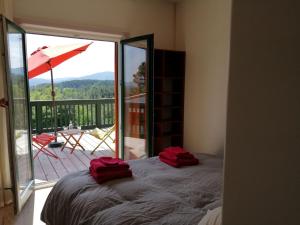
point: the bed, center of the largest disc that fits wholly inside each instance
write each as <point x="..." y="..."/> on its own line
<point x="156" y="194"/>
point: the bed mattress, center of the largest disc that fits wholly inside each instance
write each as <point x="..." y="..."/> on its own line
<point x="156" y="194"/>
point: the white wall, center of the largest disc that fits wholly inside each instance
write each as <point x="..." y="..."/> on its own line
<point x="203" y="30"/>
<point x="262" y="169"/>
<point x="134" y="17"/>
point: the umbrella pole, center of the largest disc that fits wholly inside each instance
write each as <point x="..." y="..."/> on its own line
<point x="54" y="144"/>
<point x="53" y="105"/>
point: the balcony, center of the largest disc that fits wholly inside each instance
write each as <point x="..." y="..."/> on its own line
<point x="85" y="113"/>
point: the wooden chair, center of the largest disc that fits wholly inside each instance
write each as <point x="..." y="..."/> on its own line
<point x="40" y="142"/>
<point x="103" y="136"/>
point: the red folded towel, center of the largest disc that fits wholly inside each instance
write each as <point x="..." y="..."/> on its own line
<point x="180" y="162"/>
<point x="110" y="175"/>
<point x="109" y="161"/>
<point x="103" y="164"/>
<point x="170" y="162"/>
<point x="175" y="156"/>
<point x="108" y="168"/>
<point x="178" y="152"/>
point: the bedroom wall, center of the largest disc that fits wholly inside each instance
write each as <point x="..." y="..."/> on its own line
<point x="133" y="17"/>
<point x="203" y="31"/>
<point x="6" y="8"/>
<point x="262" y="172"/>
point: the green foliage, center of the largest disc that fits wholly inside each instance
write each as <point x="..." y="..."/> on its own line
<point x="139" y="76"/>
<point x="139" y="80"/>
<point x="80" y="114"/>
<point x="75" y="89"/>
<point x="19" y="101"/>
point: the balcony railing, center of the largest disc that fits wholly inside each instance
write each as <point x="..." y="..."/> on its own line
<point x="85" y="113"/>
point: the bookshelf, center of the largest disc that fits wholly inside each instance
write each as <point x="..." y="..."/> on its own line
<point x="169" y="74"/>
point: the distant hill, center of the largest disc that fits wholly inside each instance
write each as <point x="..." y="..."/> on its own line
<point x="78" y="84"/>
<point x="74" y="89"/>
<point x="98" y="76"/>
<point x="37" y="81"/>
<point x="108" y="75"/>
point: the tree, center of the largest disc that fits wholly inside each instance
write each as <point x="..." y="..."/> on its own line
<point x="77" y="89"/>
<point x="139" y="77"/>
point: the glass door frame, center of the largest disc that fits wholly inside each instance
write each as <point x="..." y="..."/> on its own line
<point x="19" y="200"/>
<point x="150" y="96"/>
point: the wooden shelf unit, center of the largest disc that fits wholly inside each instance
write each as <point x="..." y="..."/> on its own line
<point x="169" y="75"/>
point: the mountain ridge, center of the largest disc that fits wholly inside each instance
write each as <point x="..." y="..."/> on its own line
<point x="74" y="89"/>
<point x="106" y="75"/>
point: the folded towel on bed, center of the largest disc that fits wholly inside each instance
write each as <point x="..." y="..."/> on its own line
<point x="177" y="157"/>
<point x="177" y="152"/>
<point x="179" y="163"/>
<point x="107" y="168"/>
<point x="103" y="164"/>
<point x="110" y="175"/>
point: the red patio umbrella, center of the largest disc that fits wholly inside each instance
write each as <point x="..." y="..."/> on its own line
<point x="45" y="59"/>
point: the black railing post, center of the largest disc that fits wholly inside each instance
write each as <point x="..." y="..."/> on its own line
<point x="98" y="114"/>
<point x="39" y="118"/>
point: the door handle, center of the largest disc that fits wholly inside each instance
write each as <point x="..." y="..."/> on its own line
<point x="3" y="103"/>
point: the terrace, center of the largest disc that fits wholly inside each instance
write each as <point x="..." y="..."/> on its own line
<point x="85" y="113"/>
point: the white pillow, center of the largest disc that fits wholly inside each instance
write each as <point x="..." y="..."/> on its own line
<point x="212" y="217"/>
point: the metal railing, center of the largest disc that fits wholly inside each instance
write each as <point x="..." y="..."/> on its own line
<point x="85" y="113"/>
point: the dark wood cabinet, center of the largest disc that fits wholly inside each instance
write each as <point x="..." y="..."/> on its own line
<point x="168" y="93"/>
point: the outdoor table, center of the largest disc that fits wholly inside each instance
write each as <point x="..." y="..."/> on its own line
<point x="69" y="135"/>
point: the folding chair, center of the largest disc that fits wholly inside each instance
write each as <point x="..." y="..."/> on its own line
<point x="103" y="136"/>
<point x="40" y="142"/>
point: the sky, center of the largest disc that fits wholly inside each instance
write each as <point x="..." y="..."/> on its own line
<point x="133" y="58"/>
<point x="99" y="56"/>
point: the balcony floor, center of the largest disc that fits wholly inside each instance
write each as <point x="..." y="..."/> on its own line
<point x="49" y="169"/>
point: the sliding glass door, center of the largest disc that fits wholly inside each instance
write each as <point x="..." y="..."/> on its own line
<point x="136" y="98"/>
<point x="16" y="83"/>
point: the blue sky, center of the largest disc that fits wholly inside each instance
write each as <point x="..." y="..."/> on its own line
<point x="133" y="58"/>
<point x="99" y="56"/>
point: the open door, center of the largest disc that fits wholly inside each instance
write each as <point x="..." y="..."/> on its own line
<point x="19" y="141"/>
<point x="137" y="97"/>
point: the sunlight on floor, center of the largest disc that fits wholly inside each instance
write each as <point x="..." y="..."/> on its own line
<point x="39" y="201"/>
<point x="31" y="212"/>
